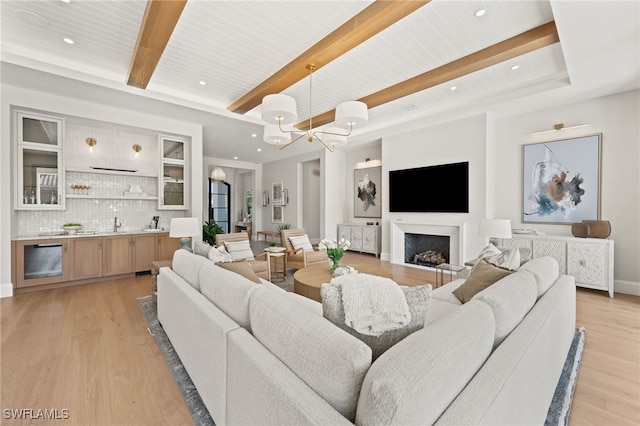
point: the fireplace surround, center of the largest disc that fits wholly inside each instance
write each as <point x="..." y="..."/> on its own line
<point x="455" y="232"/>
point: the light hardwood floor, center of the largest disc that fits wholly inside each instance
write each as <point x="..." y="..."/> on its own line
<point x="86" y="349"/>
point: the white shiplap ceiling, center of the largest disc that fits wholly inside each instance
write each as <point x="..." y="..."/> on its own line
<point x="235" y="45"/>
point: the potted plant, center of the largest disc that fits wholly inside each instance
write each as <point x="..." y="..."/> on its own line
<point x="209" y="231"/>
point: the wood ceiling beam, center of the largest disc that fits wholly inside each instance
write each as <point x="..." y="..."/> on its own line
<point x="376" y="17"/>
<point x="160" y="18"/>
<point x="537" y="38"/>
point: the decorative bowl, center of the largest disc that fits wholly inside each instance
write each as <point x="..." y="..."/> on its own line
<point x="71" y="229"/>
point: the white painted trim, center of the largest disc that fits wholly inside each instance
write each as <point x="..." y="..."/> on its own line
<point x="627" y="287"/>
<point x="456" y="232"/>
<point x="6" y="290"/>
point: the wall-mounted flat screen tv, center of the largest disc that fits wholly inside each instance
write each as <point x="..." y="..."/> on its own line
<point x="442" y="188"/>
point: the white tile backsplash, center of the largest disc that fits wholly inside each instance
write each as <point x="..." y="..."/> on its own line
<point x="113" y="150"/>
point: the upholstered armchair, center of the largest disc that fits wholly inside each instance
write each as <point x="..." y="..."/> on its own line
<point x="299" y="251"/>
<point x="237" y="244"/>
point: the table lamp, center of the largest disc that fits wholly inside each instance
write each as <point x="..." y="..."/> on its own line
<point x="185" y="228"/>
<point x="495" y="228"/>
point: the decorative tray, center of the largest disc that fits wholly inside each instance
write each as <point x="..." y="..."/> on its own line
<point x="275" y="249"/>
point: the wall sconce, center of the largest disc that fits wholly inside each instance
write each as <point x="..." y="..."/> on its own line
<point x="137" y="148"/>
<point x="367" y="163"/>
<point x="558" y="127"/>
<point x="218" y="174"/>
<point x="285" y="196"/>
<point x="91" y="142"/>
<point x="265" y="198"/>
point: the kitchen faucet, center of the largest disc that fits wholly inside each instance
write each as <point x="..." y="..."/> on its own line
<point x="116" y="225"/>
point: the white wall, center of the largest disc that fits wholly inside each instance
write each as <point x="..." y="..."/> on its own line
<point x="616" y="117"/>
<point x="373" y="152"/>
<point x="288" y="171"/>
<point x="26" y="98"/>
<point x="462" y="140"/>
<point x="311" y="184"/>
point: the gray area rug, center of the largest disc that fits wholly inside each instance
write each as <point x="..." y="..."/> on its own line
<point x="561" y="403"/>
<point x="558" y="411"/>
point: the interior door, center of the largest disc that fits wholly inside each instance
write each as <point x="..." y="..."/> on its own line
<point x="220" y="204"/>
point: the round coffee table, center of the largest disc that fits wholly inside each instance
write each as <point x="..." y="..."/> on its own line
<point x="308" y="281"/>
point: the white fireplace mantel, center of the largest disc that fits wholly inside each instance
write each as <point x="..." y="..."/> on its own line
<point x="455" y="232"/>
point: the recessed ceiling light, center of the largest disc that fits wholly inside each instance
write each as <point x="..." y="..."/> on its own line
<point x="259" y="149"/>
<point x="66" y="1"/>
<point x="453" y="87"/>
<point x="253" y="135"/>
<point x="515" y="67"/>
<point x="480" y="12"/>
<point x="203" y="83"/>
<point x="68" y="40"/>
<point x="235" y="158"/>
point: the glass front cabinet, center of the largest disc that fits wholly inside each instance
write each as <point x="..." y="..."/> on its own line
<point x="40" y="162"/>
<point x="173" y="176"/>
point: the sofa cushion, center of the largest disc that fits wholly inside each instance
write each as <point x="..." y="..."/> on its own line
<point x="219" y="254"/>
<point x="228" y="291"/>
<point x="417" y="298"/>
<point x="239" y="250"/>
<point x="327" y="359"/>
<point x="187" y="265"/>
<point x="243" y="268"/>
<point x="483" y="275"/>
<point x="510" y="299"/>
<point x="201" y="248"/>
<point x="545" y="270"/>
<point x="415" y="380"/>
<point x="301" y="242"/>
<point x="507" y="259"/>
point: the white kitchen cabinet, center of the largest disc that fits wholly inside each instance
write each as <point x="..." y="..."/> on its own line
<point x="39" y="146"/>
<point x="173" y="176"/>
<point x="363" y="238"/>
<point x="589" y="260"/>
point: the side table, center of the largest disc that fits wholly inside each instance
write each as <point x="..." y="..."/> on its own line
<point x="155" y="270"/>
<point x="277" y="276"/>
<point x="450" y="269"/>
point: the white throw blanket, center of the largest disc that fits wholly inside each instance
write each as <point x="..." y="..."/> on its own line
<point x="372" y="305"/>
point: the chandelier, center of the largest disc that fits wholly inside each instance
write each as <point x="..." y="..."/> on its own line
<point x="279" y="110"/>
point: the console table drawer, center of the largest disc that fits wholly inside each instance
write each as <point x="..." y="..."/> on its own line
<point x="588" y="263"/>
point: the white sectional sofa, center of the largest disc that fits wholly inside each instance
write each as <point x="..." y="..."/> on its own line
<point x="260" y="355"/>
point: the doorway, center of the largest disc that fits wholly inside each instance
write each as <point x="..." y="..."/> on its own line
<point x="220" y="204"/>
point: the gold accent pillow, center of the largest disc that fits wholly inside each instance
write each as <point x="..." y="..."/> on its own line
<point x="242" y="268"/>
<point x="483" y="275"/>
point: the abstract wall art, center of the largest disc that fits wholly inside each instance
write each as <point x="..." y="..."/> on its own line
<point x="367" y="192"/>
<point x="561" y="180"/>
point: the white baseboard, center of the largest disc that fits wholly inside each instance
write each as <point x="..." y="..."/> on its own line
<point x="6" y="290"/>
<point x="385" y="256"/>
<point x="627" y="287"/>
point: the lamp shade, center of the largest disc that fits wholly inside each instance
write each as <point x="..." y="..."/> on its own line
<point x="495" y="228"/>
<point x="218" y="174"/>
<point x="278" y="105"/>
<point x="333" y="136"/>
<point x="351" y="113"/>
<point x="184" y="227"/>
<point x="274" y="136"/>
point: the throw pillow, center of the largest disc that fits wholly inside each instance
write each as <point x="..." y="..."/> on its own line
<point x="241" y="268"/>
<point x="417" y="297"/>
<point x="489" y="250"/>
<point x="239" y="250"/>
<point x="301" y="242"/>
<point x="219" y="254"/>
<point x="509" y="259"/>
<point x="482" y="276"/>
<point x="201" y="248"/>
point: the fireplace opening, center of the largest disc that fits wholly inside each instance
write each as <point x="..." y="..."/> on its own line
<point x="426" y="250"/>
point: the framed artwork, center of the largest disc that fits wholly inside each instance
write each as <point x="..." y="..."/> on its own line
<point x="367" y="192"/>
<point x="561" y="180"/>
<point x="277" y="213"/>
<point x="276" y="190"/>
